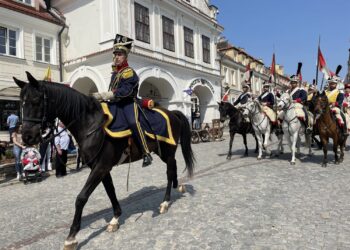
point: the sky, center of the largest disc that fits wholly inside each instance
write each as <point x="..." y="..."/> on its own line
<point x="291" y="29"/>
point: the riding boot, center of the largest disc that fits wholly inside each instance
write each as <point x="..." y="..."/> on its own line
<point x="344" y="128"/>
<point x="147" y="160"/>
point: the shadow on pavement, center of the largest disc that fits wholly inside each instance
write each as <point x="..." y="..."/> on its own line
<point x="139" y="202"/>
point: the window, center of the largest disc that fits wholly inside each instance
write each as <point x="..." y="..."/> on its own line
<point x="233" y="78"/>
<point x="206" y="49"/>
<point x="43" y="49"/>
<point x="142" y="23"/>
<point x="8" y="41"/>
<point x="29" y="2"/>
<point x="168" y="34"/>
<point x="188" y="42"/>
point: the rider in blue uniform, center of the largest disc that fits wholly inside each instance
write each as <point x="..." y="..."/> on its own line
<point x="123" y="90"/>
<point x="244" y="97"/>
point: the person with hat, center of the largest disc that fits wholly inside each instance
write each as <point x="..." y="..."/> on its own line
<point x="299" y="97"/>
<point x="123" y="90"/>
<point x="267" y="100"/>
<point x="346" y="104"/>
<point x="336" y="98"/>
<point x="244" y="97"/>
<point x="312" y="91"/>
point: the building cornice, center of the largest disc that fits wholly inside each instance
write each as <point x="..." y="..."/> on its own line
<point x="28" y="10"/>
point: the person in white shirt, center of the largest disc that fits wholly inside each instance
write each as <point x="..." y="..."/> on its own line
<point x="61" y="143"/>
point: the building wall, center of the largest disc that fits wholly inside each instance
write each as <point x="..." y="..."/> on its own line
<point x="15" y="66"/>
<point x="168" y="70"/>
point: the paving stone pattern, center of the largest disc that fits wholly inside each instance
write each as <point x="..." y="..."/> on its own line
<point x="238" y="204"/>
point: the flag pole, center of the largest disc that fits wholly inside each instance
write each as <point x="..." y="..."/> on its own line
<point x="318" y="60"/>
<point x="321" y="89"/>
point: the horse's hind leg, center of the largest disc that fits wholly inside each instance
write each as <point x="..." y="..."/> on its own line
<point x="95" y="177"/>
<point x="172" y="179"/>
<point x="109" y="187"/>
<point x="229" y="154"/>
<point x="245" y="144"/>
<point x="294" y="142"/>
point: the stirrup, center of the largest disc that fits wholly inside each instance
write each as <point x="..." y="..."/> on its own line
<point x="147" y="160"/>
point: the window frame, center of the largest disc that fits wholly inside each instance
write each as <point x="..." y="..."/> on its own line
<point x="168" y="37"/>
<point x="8" y="39"/>
<point x="143" y="24"/>
<point x="189" y="43"/>
<point x="43" y="53"/>
<point x="206" y="49"/>
<point x="24" y="2"/>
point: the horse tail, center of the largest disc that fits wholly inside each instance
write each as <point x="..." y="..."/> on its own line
<point x="185" y="141"/>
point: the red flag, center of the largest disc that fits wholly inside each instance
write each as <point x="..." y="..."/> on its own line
<point x="247" y="74"/>
<point x="273" y="68"/>
<point x="322" y="66"/>
<point x="225" y="97"/>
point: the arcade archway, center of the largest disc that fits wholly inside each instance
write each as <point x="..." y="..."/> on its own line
<point x="85" y="85"/>
<point x="157" y="89"/>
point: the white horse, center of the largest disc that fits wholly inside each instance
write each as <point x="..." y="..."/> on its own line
<point x="262" y="126"/>
<point x="292" y="127"/>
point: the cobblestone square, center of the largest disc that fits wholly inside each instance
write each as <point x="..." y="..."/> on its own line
<point x="238" y="204"/>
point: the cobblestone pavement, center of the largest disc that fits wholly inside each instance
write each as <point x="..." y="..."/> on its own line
<point x="238" y="204"/>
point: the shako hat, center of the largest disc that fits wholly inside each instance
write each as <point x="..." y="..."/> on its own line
<point x="122" y="44"/>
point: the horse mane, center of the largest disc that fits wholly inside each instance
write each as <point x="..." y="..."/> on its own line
<point x="258" y="105"/>
<point x="71" y="102"/>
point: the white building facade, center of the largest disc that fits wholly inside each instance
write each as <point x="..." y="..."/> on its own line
<point x="174" y="49"/>
<point x="28" y="42"/>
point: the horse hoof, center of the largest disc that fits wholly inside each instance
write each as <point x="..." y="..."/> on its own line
<point x="324" y="165"/>
<point x="112" y="228"/>
<point x="181" y="188"/>
<point x="164" y="207"/>
<point x="259" y="158"/>
<point x="337" y="163"/>
<point x="228" y="157"/>
<point x="292" y="163"/>
<point x="246" y="155"/>
<point x="70" y="245"/>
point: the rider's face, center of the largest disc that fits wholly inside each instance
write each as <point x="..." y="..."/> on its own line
<point x="293" y="84"/>
<point x="119" y="58"/>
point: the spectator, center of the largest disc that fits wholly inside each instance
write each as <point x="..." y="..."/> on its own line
<point x="12" y="121"/>
<point x="45" y="151"/>
<point x="17" y="149"/>
<point x="61" y="143"/>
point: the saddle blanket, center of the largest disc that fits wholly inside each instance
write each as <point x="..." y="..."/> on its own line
<point x="116" y="125"/>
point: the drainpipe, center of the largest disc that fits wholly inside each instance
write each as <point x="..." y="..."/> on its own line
<point x="63" y="23"/>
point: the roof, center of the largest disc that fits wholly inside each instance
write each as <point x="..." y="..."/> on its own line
<point x="28" y="10"/>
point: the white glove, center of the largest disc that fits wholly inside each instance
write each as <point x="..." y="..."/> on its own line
<point x="103" y="96"/>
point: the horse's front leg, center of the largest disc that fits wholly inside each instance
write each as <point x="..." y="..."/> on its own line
<point x="229" y="154"/>
<point x="308" y="143"/>
<point x="109" y="187"/>
<point x="256" y="144"/>
<point x="95" y="177"/>
<point x="335" y="150"/>
<point x="324" y="146"/>
<point x="245" y="144"/>
<point x="260" y="142"/>
<point x="172" y="179"/>
<point x="266" y="141"/>
<point x="294" y="142"/>
<point x="298" y="145"/>
<point x="280" y="144"/>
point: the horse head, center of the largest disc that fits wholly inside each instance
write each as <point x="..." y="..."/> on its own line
<point x="34" y="109"/>
<point x="284" y="101"/>
<point x="321" y="103"/>
<point x="226" y="110"/>
<point x="251" y="107"/>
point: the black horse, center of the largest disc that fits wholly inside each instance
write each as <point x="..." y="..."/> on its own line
<point x="43" y="102"/>
<point x="237" y="124"/>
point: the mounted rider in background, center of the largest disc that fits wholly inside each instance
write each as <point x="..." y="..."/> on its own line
<point x="267" y="100"/>
<point x="335" y="99"/>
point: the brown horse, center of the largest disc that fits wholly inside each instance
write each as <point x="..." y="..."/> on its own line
<point x="328" y="128"/>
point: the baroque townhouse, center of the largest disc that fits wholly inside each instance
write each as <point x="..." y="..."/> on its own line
<point x="174" y="49"/>
<point x="347" y="78"/>
<point x="28" y="42"/>
<point x="234" y="62"/>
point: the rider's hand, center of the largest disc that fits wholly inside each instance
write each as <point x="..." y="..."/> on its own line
<point x="103" y="96"/>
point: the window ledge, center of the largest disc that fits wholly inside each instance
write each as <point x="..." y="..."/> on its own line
<point x="14" y="58"/>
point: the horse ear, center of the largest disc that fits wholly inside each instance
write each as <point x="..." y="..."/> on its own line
<point x="20" y="83"/>
<point x="32" y="80"/>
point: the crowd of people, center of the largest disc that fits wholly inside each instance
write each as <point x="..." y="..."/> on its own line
<point x="51" y="152"/>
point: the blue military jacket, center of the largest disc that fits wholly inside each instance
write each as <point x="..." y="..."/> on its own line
<point x="242" y="99"/>
<point x="268" y="98"/>
<point x="124" y="84"/>
<point x="299" y="95"/>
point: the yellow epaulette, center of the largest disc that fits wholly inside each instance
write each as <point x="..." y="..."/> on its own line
<point x="127" y="73"/>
